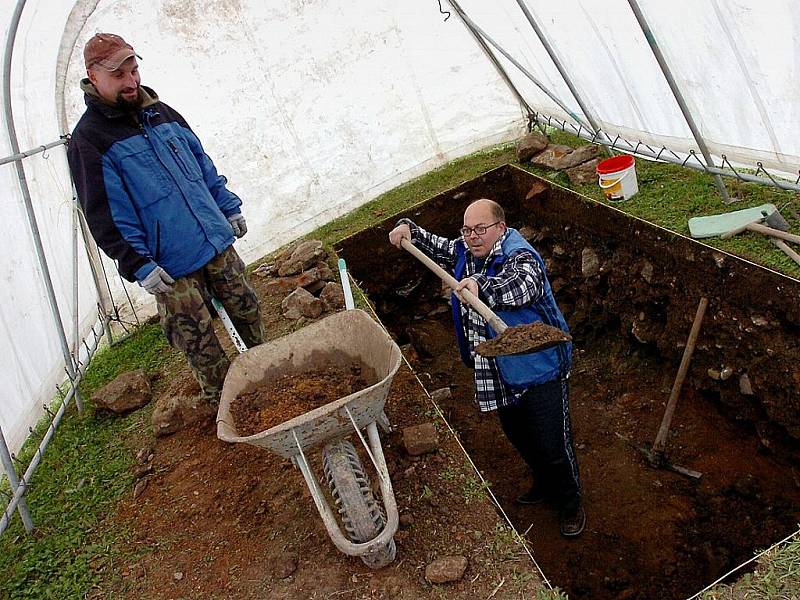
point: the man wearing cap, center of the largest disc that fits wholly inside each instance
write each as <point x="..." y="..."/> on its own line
<point x="155" y="203"/>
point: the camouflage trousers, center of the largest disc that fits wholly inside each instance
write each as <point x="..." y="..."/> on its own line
<point x="186" y="320"/>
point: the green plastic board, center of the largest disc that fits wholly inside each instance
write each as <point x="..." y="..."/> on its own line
<point x="703" y="227"/>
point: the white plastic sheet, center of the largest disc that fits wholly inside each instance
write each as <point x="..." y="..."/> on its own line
<point x="313" y="108"/>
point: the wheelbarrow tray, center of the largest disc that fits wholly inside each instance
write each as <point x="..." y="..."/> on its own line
<point x="337" y="340"/>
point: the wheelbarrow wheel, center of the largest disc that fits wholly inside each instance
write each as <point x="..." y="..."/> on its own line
<point x="362" y="515"/>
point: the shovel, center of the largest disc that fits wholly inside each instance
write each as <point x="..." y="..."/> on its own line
<point x="519" y="339"/>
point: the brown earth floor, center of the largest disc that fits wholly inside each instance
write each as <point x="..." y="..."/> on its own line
<point x="650" y="533"/>
<point x="221" y="520"/>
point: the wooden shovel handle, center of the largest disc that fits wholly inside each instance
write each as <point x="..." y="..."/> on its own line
<point x="487" y="313"/>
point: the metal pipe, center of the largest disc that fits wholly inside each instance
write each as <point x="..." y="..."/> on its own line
<point x="562" y="71"/>
<point x="516" y="63"/>
<point x="493" y="58"/>
<point x="31" y="152"/>
<point x="37" y="457"/>
<point x="676" y="92"/>
<point x="75" y="299"/>
<point x="103" y="299"/>
<point x="635" y="150"/>
<point x="26" y="196"/>
<point x="13" y="480"/>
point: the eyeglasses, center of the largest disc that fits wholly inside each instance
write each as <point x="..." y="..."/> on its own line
<point x="477" y="230"/>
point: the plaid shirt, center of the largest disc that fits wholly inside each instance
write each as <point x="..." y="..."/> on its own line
<point x="520" y="282"/>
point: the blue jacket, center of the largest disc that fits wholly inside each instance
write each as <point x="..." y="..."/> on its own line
<point x="150" y="194"/>
<point x="522" y="370"/>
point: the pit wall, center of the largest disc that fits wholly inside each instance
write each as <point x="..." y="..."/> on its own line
<point x="612" y="272"/>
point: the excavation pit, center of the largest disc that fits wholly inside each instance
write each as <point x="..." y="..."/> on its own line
<point x="629" y="291"/>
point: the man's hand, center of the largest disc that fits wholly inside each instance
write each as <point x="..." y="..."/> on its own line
<point x="467" y="284"/>
<point x="238" y="223"/>
<point x="399" y="233"/>
<point x="157" y="282"/>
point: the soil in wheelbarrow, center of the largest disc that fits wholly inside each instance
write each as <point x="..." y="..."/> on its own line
<point x="291" y="395"/>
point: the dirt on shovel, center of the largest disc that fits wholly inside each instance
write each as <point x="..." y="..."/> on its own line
<point x="522" y="339"/>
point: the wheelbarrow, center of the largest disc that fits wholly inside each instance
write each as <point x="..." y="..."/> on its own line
<point x="338" y="340"/>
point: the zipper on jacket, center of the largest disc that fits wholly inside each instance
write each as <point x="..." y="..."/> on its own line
<point x="158" y="241"/>
<point x="141" y="128"/>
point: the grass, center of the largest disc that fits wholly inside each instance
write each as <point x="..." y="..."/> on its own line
<point x="87" y="467"/>
<point x="777" y="577"/>
<point x="84" y="472"/>
<point x="670" y="195"/>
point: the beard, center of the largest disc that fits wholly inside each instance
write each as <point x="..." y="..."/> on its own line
<point x="130" y="105"/>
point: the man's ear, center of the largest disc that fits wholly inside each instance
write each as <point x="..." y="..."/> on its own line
<point x="90" y="74"/>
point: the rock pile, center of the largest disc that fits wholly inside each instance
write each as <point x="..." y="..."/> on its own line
<point x="302" y="274"/>
<point x="578" y="163"/>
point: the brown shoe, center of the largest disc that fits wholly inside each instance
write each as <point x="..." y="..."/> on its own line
<point x="572" y="524"/>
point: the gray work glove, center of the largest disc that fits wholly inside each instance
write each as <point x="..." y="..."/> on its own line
<point x="238" y="223"/>
<point x="157" y="282"/>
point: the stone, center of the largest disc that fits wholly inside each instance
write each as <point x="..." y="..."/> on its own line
<point x="305" y="255"/>
<point x="129" y="391"/>
<point x="420" y="439"/>
<point x="301" y="303"/>
<point x="144" y="455"/>
<point x="745" y="387"/>
<point x="280" y="285"/>
<point x="140" y="487"/>
<point x="325" y="271"/>
<point x="590" y="264"/>
<point x="446" y="569"/>
<point x="265" y="270"/>
<point x="406" y="520"/>
<point x="527" y="232"/>
<point x="441" y="394"/>
<point x="714" y="374"/>
<point x="332" y="296"/>
<point x="286" y="565"/>
<point x="584" y="173"/>
<point x="173" y="413"/>
<point x="143" y="470"/>
<point x="537" y="190"/>
<point x="647" y="271"/>
<point x="725" y="373"/>
<point x="529" y="145"/>
<point x="560" y="157"/>
<point x="177" y="575"/>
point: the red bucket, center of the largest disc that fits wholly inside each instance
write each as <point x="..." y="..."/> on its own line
<point x="617" y="177"/>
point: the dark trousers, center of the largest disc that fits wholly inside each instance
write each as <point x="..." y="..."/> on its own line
<point x="538" y="426"/>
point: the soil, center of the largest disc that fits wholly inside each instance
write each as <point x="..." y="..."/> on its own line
<point x="523" y="338"/>
<point x="651" y="533"/>
<point x="218" y="520"/>
<point x="292" y="395"/>
<point x="233" y="521"/>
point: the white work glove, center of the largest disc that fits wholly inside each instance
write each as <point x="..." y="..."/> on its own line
<point x="157" y="282"/>
<point x="238" y="223"/>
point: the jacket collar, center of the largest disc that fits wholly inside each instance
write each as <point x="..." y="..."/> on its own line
<point x="111" y="111"/>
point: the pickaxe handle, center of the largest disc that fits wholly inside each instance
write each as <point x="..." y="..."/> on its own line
<point x="772" y="232"/>
<point x="661" y="438"/>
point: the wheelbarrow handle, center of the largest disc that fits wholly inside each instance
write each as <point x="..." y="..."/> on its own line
<point x="487" y="313"/>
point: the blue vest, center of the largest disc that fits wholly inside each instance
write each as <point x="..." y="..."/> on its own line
<point x="521" y="370"/>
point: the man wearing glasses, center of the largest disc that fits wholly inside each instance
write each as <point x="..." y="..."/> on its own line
<point x="495" y="263"/>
